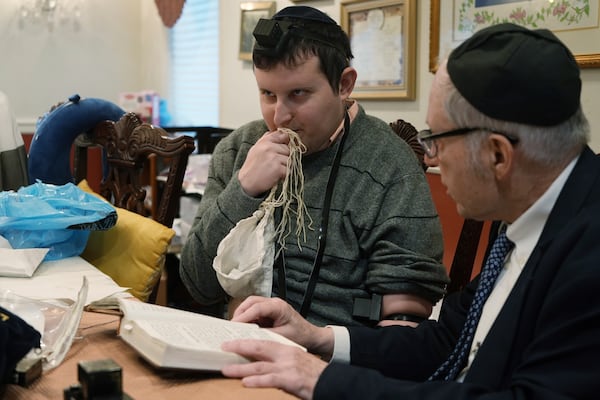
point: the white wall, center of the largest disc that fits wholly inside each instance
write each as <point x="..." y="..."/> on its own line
<point x="239" y="96"/>
<point x="238" y="84"/>
<point x="117" y="46"/>
<point x="122" y="46"/>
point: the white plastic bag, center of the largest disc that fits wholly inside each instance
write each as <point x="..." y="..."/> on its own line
<point x="56" y="320"/>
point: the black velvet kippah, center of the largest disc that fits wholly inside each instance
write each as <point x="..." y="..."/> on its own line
<point x="304" y="12"/>
<point x="519" y="75"/>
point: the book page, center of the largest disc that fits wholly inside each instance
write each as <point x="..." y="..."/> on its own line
<point x="135" y="309"/>
<point x="206" y="336"/>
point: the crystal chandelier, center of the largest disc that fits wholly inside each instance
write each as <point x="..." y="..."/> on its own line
<point x="51" y="13"/>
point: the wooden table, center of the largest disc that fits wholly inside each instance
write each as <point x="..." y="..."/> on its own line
<point x="97" y="339"/>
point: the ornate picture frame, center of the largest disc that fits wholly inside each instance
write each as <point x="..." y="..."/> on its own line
<point x="446" y="17"/>
<point x="251" y="12"/>
<point x="383" y="39"/>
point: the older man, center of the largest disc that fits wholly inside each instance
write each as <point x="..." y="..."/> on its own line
<point x="509" y="137"/>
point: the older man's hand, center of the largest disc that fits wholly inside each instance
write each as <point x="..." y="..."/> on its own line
<point x="281" y="318"/>
<point x="276" y="365"/>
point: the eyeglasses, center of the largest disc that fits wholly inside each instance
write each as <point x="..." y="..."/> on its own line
<point x="427" y="138"/>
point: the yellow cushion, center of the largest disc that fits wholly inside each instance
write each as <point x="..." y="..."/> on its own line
<point x="132" y="252"/>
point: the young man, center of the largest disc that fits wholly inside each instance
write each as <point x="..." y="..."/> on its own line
<point x="511" y="147"/>
<point x="383" y="239"/>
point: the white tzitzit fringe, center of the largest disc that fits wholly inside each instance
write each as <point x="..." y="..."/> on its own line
<point x="292" y="190"/>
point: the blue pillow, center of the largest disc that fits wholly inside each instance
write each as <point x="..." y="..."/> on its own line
<point x="50" y="150"/>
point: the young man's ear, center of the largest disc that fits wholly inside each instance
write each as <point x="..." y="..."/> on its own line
<point x="347" y="81"/>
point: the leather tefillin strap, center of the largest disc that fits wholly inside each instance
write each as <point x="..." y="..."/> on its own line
<point x="314" y="275"/>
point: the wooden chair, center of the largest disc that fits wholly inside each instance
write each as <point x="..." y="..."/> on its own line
<point x="463" y="261"/>
<point x="128" y="145"/>
<point x="465" y="253"/>
<point x="206" y="137"/>
<point x="129" y="149"/>
<point x="409" y="133"/>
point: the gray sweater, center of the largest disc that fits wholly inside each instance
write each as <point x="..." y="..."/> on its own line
<point x="384" y="233"/>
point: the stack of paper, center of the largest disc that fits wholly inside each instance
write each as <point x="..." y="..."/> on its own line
<point x="61" y="279"/>
<point x="19" y="262"/>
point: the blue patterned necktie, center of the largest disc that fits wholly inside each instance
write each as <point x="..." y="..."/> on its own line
<point x="456" y="361"/>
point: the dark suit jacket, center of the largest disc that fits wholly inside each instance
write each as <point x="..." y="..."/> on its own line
<point x="544" y="344"/>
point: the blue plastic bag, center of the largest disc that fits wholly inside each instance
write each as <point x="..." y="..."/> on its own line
<point x="56" y="217"/>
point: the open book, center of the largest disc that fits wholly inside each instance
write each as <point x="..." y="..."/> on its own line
<point x="171" y="338"/>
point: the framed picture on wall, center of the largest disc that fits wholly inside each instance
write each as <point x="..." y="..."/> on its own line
<point x="251" y="13"/>
<point x="575" y="22"/>
<point x="383" y="39"/>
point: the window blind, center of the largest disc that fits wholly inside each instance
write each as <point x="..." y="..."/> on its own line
<point x="194" y="46"/>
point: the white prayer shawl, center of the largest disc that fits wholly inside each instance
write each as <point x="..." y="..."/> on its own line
<point x="13" y="156"/>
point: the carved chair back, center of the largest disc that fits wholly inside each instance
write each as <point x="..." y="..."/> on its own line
<point x="128" y="144"/>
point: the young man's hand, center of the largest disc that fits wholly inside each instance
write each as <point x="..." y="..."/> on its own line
<point x="266" y="163"/>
